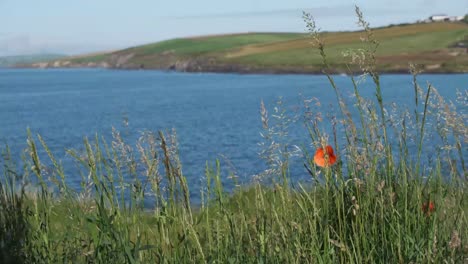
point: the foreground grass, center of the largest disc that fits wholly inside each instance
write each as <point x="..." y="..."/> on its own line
<point x="368" y="217"/>
<point x="350" y="224"/>
<point x="381" y="202"/>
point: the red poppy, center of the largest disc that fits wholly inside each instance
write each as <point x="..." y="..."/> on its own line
<point x="428" y="207"/>
<point x="324" y="158"/>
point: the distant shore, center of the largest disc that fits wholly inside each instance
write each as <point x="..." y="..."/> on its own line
<point x="246" y="70"/>
<point x="439" y="47"/>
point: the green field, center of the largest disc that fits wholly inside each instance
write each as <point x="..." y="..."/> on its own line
<point x="431" y="45"/>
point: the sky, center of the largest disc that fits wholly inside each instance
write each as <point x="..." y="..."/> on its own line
<point x="86" y="26"/>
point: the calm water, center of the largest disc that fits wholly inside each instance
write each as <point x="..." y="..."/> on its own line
<point x="213" y="114"/>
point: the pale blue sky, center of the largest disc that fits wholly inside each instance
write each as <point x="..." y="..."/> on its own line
<point x="82" y="26"/>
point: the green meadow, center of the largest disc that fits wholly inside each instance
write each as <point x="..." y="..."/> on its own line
<point x="379" y="203"/>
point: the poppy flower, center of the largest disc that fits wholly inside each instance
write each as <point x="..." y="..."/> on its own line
<point x="324" y="157"/>
<point x="428" y="207"/>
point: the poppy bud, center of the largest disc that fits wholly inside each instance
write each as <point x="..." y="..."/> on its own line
<point x="428" y="207"/>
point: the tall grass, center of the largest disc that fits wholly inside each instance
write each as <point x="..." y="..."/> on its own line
<point x="380" y="203"/>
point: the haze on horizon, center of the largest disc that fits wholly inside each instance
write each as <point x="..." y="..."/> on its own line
<point x="85" y="26"/>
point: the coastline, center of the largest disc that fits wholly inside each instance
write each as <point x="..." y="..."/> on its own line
<point x="249" y="70"/>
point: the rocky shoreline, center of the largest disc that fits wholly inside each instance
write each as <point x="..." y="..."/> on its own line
<point x="212" y="66"/>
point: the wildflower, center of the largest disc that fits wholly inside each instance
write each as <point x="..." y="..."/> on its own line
<point x="324" y="158"/>
<point x="428" y="207"/>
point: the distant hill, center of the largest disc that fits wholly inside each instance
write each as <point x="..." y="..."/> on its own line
<point x="438" y="47"/>
<point x="11" y="61"/>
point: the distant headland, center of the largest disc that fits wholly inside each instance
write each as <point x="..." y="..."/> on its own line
<point x="438" y="44"/>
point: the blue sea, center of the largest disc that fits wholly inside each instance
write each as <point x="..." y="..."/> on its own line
<point x="216" y="116"/>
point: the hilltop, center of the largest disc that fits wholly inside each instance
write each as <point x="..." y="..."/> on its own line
<point x="437" y="47"/>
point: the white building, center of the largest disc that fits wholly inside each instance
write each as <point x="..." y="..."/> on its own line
<point x="440" y="17"/>
<point x="456" y="18"/>
<point x="437" y="18"/>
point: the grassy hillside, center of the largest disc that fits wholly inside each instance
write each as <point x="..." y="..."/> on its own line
<point x="433" y="45"/>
